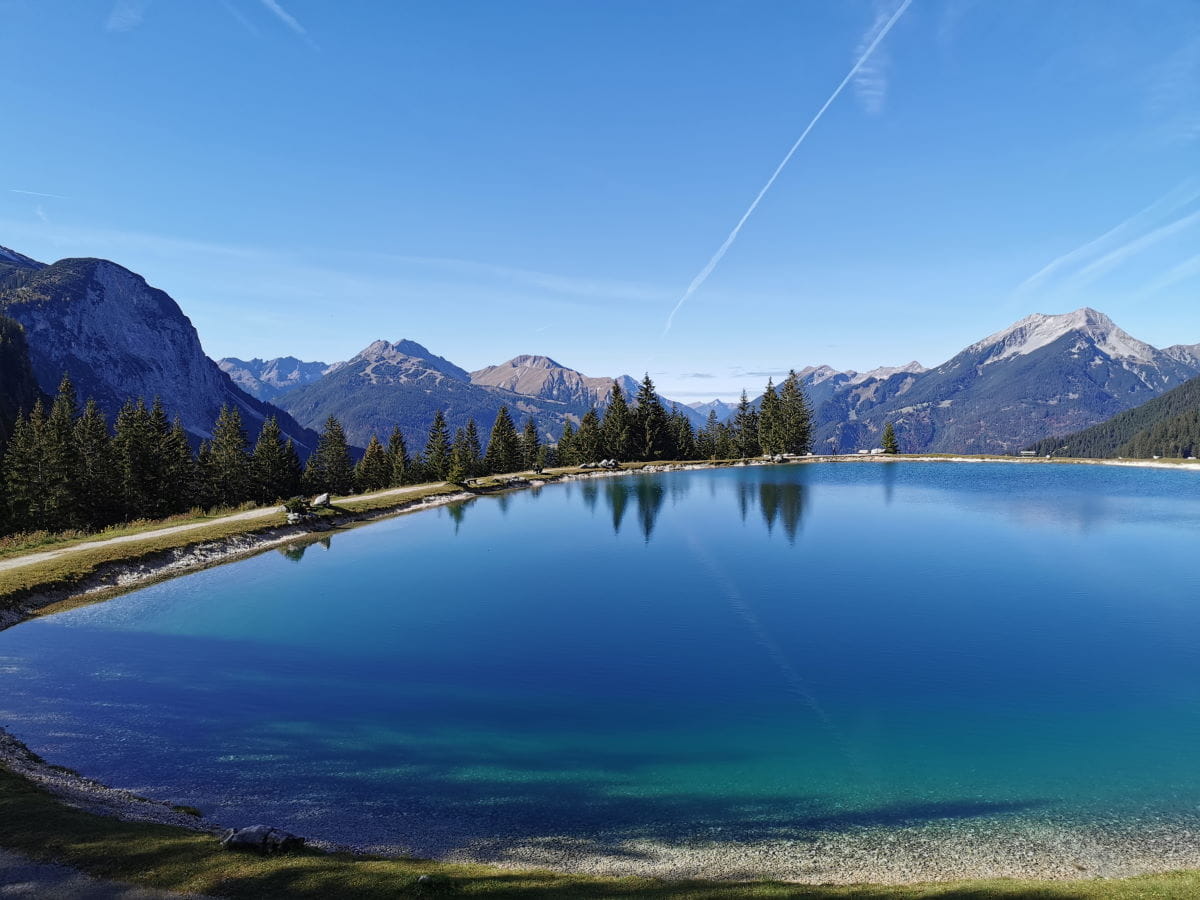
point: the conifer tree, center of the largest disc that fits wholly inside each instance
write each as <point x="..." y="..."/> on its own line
<point x="706" y="438"/>
<point x="684" y="436"/>
<point x="890" y="444"/>
<point x="274" y="466"/>
<point x="229" y="464"/>
<point x="398" y="458"/>
<point x="330" y="468"/>
<point x="504" y="445"/>
<point x="60" y="465"/>
<point x="373" y="471"/>
<point x="795" y="417"/>
<point x="472" y="450"/>
<point x="770" y="432"/>
<point x="436" y="458"/>
<point x="589" y="440"/>
<point x="617" y="427"/>
<point x="530" y="443"/>
<point x="178" y="472"/>
<point x="162" y="490"/>
<point x="745" y="429"/>
<point x="135" y="452"/>
<point x="565" y="450"/>
<point x="96" y="476"/>
<point x="23" y="473"/>
<point x="652" y="433"/>
<point x="725" y="443"/>
<point x="203" y="493"/>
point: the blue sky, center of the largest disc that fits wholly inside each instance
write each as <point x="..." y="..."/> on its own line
<point x="496" y="178"/>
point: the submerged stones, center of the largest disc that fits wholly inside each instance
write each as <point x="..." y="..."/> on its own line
<point x="262" y="838"/>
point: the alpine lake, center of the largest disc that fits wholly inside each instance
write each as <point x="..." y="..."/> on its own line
<point x="875" y="671"/>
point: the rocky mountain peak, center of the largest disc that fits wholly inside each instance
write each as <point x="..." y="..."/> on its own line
<point x="1040" y="330"/>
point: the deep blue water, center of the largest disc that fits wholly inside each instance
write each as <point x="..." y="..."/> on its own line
<point x="737" y="653"/>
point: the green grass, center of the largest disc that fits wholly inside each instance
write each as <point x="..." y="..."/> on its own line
<point x="35" y="824"/>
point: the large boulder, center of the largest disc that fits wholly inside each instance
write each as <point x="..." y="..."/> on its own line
<point x="262" y="838"/>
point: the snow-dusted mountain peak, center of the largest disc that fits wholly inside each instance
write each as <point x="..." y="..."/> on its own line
<point x="1040" y="330"/>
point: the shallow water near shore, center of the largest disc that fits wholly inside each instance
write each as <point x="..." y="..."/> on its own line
<point x="810" y="658"/>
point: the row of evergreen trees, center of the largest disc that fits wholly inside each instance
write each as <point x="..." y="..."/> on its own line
<point x="782" y="423"/>
<point x="66" y="469"/>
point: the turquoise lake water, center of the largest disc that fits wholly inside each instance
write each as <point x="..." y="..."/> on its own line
<point x="734" y="654"/>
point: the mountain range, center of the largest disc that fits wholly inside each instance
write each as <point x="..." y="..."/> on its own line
<point x="1042" y="377"/>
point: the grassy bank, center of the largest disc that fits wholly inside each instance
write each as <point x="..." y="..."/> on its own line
<point x="37" y="825"/>
<point x="70" y="562"/>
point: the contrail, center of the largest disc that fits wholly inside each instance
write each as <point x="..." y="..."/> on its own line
<point x="712" y="263"/>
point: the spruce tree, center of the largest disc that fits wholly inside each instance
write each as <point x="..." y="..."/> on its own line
<point x="472" y="450"/>
<point x="565" y="450"/>
<point x="530" y="442"/>
<point x="135" y="452"/>
<point x="890" y="444"/>
<point x="398" y="458"/>
<point x="504" y="445"/>
<point x="617" y="427"/>
<point x="23" y="471"/>
<point x="179" y="489"/>
<point x="589" y="440"/>
<point x="795" y="417"/>
<point x="436" y="458"/>
<point x="274" y="467"/>
<point x="770" y="432"/>
<point x="329" y="468"/>
<point x="706" y="438"/>
<point x="684" y="437"/>
<point x="725" y="444"/>
<point x="373" y="471"/>
<point x="60" y="464"/>
<point x="96" y="474"/>
<point x="651" y="429"/>
<point x="229" y="464"/>
<point x="745" y="429"/>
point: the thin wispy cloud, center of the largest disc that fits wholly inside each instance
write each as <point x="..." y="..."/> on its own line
<point x="1165" y="217"/>
<point x="1185" y="271"/>
<point x="288" y="19"/>
<point x="41" y="214"/>
<point x="711" y="265"/>
<point x="871" y="79"/>
<point x="126" y="15"/>
<point x="37" y="194"/>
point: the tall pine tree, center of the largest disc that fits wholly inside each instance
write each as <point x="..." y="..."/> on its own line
<point x="618" y="427"/>
<point x="745" y="429"/>
<point x="651" y="429"/>
<point x="374" y="470"/>
<point x="436" y="458"/>
<point x="530" y="444"/>
<point x="795" y="417"/>
<point x="229" y="463"/>
<point x="274" y="467"/>
<point x="398" y="458"/>
<point x="504" y="445"/>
